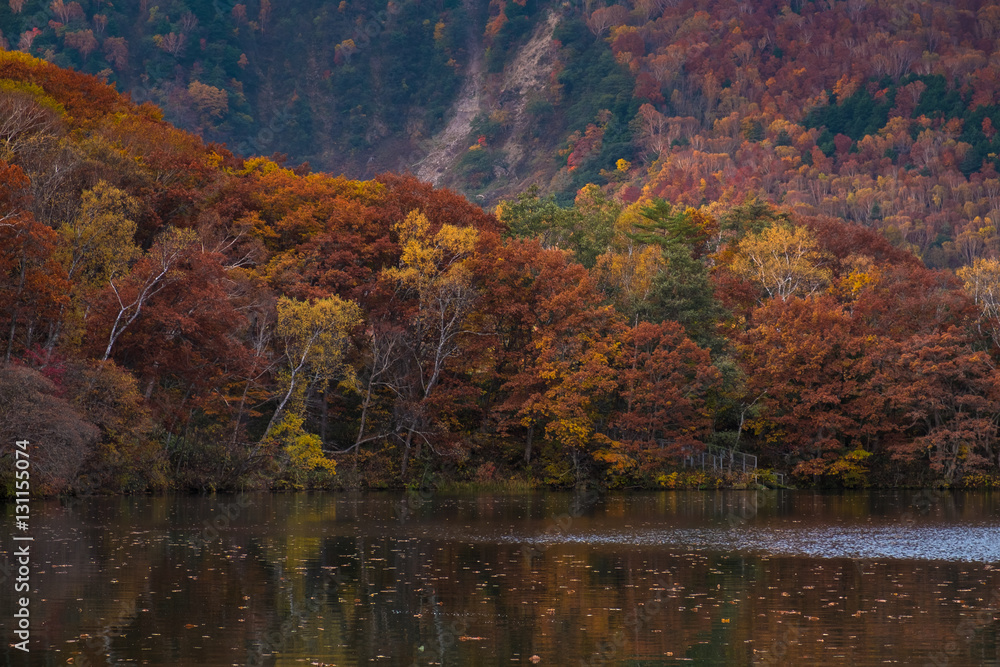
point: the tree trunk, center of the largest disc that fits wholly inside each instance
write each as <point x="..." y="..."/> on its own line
<point x="323" y="416"/>
<point x="527" y="445"/>
<point x="406" y="453"/>
<point x="10" y="338"/>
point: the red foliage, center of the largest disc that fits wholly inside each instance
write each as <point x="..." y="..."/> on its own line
<point x="86" y="99"/>
<point x="629" y="42"/>
<point x="33" y="285"/>
<point x="666" y="380"/>
<point x="405" y="193"/>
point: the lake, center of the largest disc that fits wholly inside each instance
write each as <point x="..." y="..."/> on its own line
<point x="671" y="578"/>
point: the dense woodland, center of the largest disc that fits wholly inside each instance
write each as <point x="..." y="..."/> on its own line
<point x="175" y="315"/>
<point x="880" y="112"/>
<point x="301" y="78"/>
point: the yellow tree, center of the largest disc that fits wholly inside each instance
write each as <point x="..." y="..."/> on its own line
<point x="98" y="246"/>
<point x="627" y="271"/>
<point x="211" y="102"/>
<point x="782" y="259"/>
<point x="434" y="275"/>
<point x="314" y="337"/>
<point x="982" y="282"/>
<point x="577" y="375"/>
<point x="628" y="276"/>
<point x="100" y="240"/>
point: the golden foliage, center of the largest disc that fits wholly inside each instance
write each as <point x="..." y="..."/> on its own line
<point x="982" y="282"/>
<point x="100" y="240"/>
<point x="304" y="451"/>
<point x="432" y="261"/>
<point x="209" y="100"/>
<point x="784" y="260"/>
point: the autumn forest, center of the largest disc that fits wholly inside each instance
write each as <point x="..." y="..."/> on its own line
<point x="763" y="227"/>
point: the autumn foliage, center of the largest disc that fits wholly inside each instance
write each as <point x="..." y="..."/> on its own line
<point x="172" y="315"/>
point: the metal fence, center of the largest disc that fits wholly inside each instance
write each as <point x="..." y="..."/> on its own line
<point x="720" y="459"/>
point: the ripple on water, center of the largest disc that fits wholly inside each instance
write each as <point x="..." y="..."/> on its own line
<point x="954" y="543"/>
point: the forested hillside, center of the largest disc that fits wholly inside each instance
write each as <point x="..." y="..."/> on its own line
<point x="176" y="316"/>
<point x="333" y="83"/>
<point x="880" y="112"/>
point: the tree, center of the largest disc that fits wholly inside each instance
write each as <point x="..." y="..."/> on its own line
<point x="211" y="102"/>
<point x="683" y="293"/>
<point x="149" y="276"/>
<point x="83" y="41"/>
<point x="172" y="43"/>
<point x="947" y="397"/>
<point x="519" y="278"/>
<point x="314" y="337"/>
<point x="378" y="374"/>
<point x="666" y="381"/>
<point x="26" y="114"/>
<point x="33" y="285"/>
<point x="264" y="15"/>
<point x="434" y="273"/>
<point x="653" y="129"/>
<point x="100" y="240"/>
<point x="531" y="216"/>
<point x="560" y="372"/>
<point x="627" y="276"/>
<point x="586" y="228"/>
<point x="604" y="18"/>
<point x="116" y="51"/>
<point x="302" y="453"/>
<point x="127" y="457"/>
<point x="32" y="409"/>
<point x="982" y="282"/>
<point x="815" y="370"/>
<point x="680" y="290"/>
<point x="571" y="375"/>
<point x="783" y="260"/>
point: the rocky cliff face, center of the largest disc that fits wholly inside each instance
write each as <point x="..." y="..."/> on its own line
<point x="501" y="100"/>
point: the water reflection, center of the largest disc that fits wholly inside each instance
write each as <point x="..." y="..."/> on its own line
<point x="727" y="578"/>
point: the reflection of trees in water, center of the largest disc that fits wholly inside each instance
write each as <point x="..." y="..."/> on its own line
<point x="342" y="581"/>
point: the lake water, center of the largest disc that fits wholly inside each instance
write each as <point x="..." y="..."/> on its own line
<point x="700" y="578"/>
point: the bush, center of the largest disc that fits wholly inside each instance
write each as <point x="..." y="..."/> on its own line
<point x="477" y="166"/>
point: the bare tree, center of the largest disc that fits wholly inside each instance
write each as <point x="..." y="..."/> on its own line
<point x="150" y="277"/>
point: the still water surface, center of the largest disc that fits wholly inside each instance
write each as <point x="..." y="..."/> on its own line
<point x="694" y="578"/>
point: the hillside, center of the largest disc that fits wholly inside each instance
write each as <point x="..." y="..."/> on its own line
<point x="878" y="112"/>
<point x="177" y="316"/>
